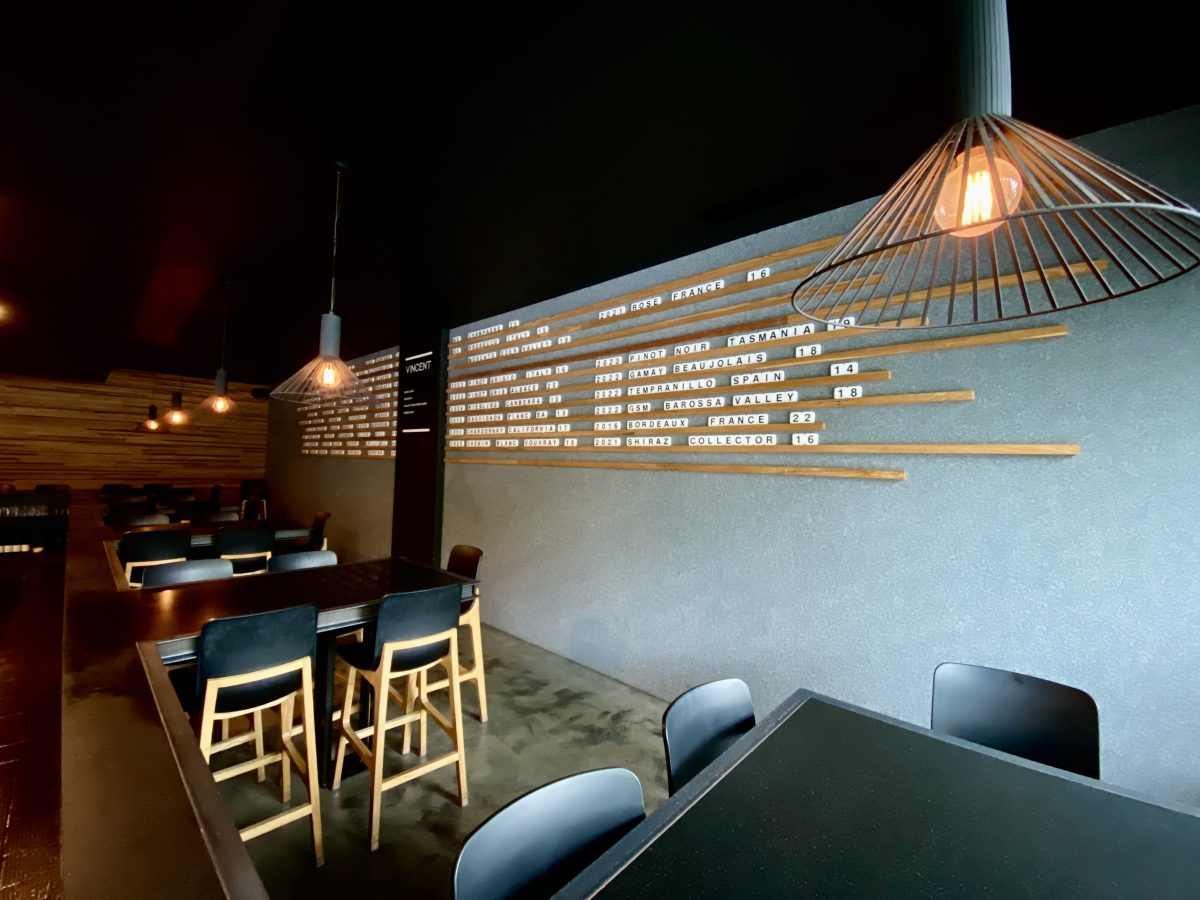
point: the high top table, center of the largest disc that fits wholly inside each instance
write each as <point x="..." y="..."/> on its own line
<point x="141" y="815"/>
<point x="823" y="799"/>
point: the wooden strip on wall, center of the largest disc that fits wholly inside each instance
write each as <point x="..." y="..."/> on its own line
<point x="906" y="449"/>
<point x="805" y="471"/>
<point x="666" y="287"/>
<point x="82" y="433"/>
<point x="641" y="432"/>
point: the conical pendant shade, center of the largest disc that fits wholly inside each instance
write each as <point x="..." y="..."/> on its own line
<point x="217" y="405"/>
<point x="1064" y="228"/>
<point x="326" y="376"/>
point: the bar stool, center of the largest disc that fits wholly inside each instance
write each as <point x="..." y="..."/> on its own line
<point x="246" y="665"/>
<point x="701" y="724"/>
<point x="139" y="550"/>
<point x="464" y="561"/>
<point x="249" y="547"/>
<point x="414" y="632"/>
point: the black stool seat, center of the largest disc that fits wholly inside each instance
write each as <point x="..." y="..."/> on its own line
<point x="364" y="656"/>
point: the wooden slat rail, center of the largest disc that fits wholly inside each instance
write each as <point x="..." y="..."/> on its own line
<point x="802" y="471"/>
<point x="903" y="449"/>
<point x="812" y="381"/>
<point x="905" y="399"/>
<point x="906" y="348"/>
<point x="938" y="293"/>
<point x="666" y="287"/>
<point x="943" y="292"/>
<point x="719" y="312"/>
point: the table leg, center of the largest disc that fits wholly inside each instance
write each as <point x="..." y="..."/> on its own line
<point x="323" y="707"/>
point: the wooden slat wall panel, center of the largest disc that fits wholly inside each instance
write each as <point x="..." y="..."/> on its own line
<point x="82" y="433"/>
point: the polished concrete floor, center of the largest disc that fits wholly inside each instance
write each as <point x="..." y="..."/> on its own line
<point x="549" y="717"/>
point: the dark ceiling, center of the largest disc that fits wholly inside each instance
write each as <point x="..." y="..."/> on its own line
<point x="499" y="155"/>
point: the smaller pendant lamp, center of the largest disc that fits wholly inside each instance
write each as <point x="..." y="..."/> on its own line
<point x="177" y="416"/>
<point x="326" y="376"/>
<point x="1000" y="220"/>
<point x="150" y="425"/>
<point x="218" y="403"/>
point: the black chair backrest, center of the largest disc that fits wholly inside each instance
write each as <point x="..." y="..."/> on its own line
<point x="1040" y="720"/>
<point x="535" y="845"/>
<point x="187" y="572"/>
<point x="245" y="539"/>
<point x="308" y="559"/>
<point x="253" y="487"/>
<point x="52" y="488"/>
<point x="119" y="510"/>
<point x="703" y="723"/>
<point x="217" y="515"/>
<point x="132" y="521"/>
<point x="254" y="509"/>
<point x="156" y="488"/>
<point x="316" y="534"/>
<point x="148" y="546"/>
<point x="214" y="496"/>
<point x="464" y="560"/>
<point x="416" y="614"/>
<point x="242" y="644"/>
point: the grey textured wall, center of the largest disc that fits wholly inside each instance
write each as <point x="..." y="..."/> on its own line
<point x="357" y="491"/>
<point x="1083" y="570"/>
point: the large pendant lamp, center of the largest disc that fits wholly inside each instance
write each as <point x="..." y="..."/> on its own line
<point x="326" y="376"/>
<point x="219" y="403"/>
<point x="1000" y="220"/>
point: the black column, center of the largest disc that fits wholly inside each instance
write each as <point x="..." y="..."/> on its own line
<point x="417" y="510"/>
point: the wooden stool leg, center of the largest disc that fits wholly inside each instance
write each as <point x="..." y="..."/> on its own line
<point x="477" y="659"/>
<point x="456" y="719"/>
<point x="377" y="748"/>
<point x="343" y="726"/>
<point x="310" y="754"/>
<point x="259" y="748"/>
<point x="286" y="718"/>
<point x="225" y="729"/>
<point x="410" y="701"/>
<point x="423" y="747"/>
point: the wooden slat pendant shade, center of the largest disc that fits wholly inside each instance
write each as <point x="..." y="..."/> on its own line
<point x="1037" y="225"/>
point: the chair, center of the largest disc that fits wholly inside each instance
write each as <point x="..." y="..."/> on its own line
<point x="310" y="559"/>
<point x="245" y="666"/>
<point x="464" y="561"/>
<point x="535" y="845"/>
<point x="248" y="546"/>
<point x="209" y="517"/>
<point x="1039" y="720"/>
<point x="316" y="535"/>
<point x="253" y="509"/>
<point x="414" y="632"/>
<point x="127" y="507"/>
<point x="155" y="488"/>
<point x="140" y="550"/>
<point x="52" y="488"/>
<point x="135" y="521"/>
<point x="8" y="488"/>
<point x="703" y="723"/>
<point x="253" y="489"/>
<point x="187" y="572"/>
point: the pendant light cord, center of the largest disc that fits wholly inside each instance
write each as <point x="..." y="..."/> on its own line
<point x="225" y="322"/>
<point x="337" y="213"/>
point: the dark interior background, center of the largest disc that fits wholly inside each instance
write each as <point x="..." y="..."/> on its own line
<point x="498" y="155"/>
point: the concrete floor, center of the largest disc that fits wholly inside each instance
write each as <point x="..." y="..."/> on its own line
<point x="549" y="717"/>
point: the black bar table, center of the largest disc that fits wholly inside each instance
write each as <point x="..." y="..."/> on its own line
<point x="823" y="799"/>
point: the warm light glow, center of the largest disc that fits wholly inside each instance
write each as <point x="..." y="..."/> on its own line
<point x="220" y="405"/>
<point x="150" y="425"/>
<point x="329" y="375"/>
<point x="176" y="417"/>
<point x="5" y="312"/>
<point x="981" y="207"/>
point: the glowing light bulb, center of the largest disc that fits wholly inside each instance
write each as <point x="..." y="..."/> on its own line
<point x="981" y="206"/>
<point x="151" y="424"/>
<point x="220" y="405"/>
<point x="329" y="375"/>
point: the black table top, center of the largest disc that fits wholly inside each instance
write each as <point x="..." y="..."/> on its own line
<point x="129" y="826"/>
<point x="827" y="800"/>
